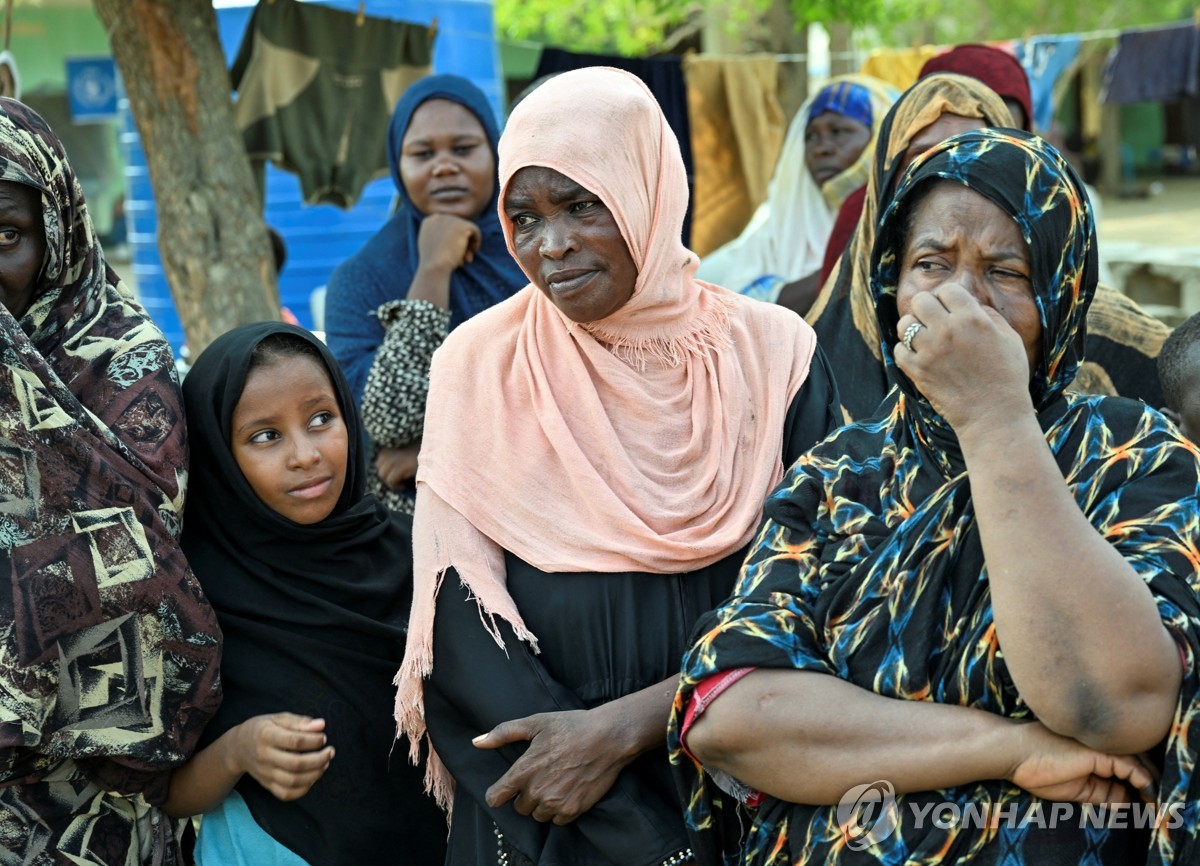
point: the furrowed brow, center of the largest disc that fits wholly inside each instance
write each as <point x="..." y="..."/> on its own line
<point x="568" y="193"/>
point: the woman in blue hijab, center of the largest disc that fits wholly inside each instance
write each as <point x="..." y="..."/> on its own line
<point x="436" y="263"/>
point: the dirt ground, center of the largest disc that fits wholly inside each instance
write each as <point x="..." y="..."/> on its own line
<point x="1151" y="246"/>
<point x="1169" y="219"/>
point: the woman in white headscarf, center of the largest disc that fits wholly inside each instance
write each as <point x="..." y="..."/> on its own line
<point x="825" y="157"/>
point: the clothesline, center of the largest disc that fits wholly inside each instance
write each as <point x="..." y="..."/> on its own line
<point x="832" y="55"/>
<point x="1087" y="36"/>
<point x="786" y="57"/>
<point x="1090" y="36"/>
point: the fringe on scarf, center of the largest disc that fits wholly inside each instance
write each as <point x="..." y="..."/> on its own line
<point x="487" y="589"/>
<point x="710" y="331"/>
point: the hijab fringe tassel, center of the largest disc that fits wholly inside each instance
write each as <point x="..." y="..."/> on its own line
<point x="711" y="333"/>
<point x="410" y="691"/>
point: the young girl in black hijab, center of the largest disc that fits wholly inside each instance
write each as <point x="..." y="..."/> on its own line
<point x="311" y="581"/>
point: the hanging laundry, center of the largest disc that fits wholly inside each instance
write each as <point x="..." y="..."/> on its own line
<point x="1046" y="60"/>
<point x="664" y="77"/>
<point x="316" y="88"/>
<point x="738" y="126"/>
<point x="1158" y="64"/>
<point x="899" y="67"/>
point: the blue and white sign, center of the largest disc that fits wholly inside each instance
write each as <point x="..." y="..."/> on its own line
<point x="92" y="89"/>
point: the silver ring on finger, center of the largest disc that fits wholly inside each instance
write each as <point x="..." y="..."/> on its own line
<point x="910" y="332"/>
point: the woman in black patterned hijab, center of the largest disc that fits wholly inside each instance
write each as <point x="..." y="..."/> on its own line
<point x="976" y="609"/>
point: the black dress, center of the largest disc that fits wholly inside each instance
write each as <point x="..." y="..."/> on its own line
<point x="313" y="618"/>
<point x="602" y="637"/>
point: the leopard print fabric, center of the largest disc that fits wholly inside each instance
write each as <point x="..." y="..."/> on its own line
<point x="393" y="401"/>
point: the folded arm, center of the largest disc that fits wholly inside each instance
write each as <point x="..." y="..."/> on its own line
<point x="1080" y="630"/>
<point x="808" y="737"/>
<point x="483" y="704"/>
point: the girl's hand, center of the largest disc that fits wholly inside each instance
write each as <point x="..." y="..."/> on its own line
<point x="966" y="359"/>
<point x="1059" y="768"/>
<point x="446" y="242"/>
<point x="284" y="752"/>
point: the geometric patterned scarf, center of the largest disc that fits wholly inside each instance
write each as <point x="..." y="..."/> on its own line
<point x="108" y="649"/>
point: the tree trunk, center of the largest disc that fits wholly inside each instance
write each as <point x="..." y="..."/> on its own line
<point x="214" y="245"/>
<point x="841" y="58"/>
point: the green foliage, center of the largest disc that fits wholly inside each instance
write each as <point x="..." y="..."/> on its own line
<point x="951" y="21"/>
<point x="626" y="27"/>
<point x="854" y="12"/>
<point x="640" y="27"/>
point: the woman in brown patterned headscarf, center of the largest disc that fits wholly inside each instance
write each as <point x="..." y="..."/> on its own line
<point x="1122" y="339"/>
<point x="108" y="649"/>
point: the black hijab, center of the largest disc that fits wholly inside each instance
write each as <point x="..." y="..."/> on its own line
<point x="314" y="620"/>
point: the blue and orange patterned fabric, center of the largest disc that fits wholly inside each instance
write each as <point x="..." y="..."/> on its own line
<point x="869" y="565"/>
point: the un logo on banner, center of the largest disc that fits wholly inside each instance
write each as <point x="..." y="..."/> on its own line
<point x="92" y="89"/>
<point x="868" y="814"/>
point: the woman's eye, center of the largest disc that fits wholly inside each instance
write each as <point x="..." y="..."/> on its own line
<point x="523" y="220"/>
<point x="925" y="266"/>
<point x="581" y="206"/>
<point x="8" y="237"/>
<point x="321" y="418"/>
<point x="264" y="436"/>
<point x="464" y="149"/>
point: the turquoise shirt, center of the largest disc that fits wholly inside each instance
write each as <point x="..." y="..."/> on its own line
<point x="229" y="836"/>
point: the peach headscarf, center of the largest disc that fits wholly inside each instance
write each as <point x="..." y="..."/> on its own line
<point x="646" y="441"/>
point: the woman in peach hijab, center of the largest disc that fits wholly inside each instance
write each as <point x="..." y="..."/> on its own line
<point x="597" y="451"/>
